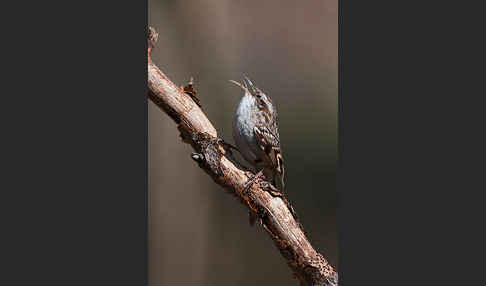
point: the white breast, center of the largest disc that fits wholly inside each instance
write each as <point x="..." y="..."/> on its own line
<point x="243" y="130"/>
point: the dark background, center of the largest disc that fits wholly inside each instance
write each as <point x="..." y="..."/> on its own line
<point x="290" y="50"/>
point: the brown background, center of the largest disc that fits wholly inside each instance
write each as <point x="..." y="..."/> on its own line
<point x="199" y="235"/>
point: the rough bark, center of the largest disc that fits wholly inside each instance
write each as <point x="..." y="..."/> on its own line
<point x="275" y="213"/>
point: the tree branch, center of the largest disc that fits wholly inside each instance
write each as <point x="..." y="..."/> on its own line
<point x="275" y="213"/>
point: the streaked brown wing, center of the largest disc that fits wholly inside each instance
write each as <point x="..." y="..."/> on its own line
<point x="269" y="143"/>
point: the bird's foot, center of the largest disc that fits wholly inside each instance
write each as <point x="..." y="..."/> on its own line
<point x="271" y="189"/>
<point x="251" y="181"/>
<point x="228" y="148"/>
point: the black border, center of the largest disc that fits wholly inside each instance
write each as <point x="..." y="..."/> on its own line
<point x="75" y="144"/>
<point x="408" y="140"/>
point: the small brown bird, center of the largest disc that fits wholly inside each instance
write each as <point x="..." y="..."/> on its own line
<point x="255" y="131"/>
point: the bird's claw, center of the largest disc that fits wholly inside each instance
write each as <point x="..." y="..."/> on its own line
<point x="271" y="189"/>
<point x="251" y="181"/>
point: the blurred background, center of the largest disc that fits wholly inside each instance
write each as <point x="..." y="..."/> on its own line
<point x="198" y="234"/>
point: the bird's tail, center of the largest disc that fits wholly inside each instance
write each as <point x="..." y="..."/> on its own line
<point x="252" y="218"/>
<point x="281" y="181"/>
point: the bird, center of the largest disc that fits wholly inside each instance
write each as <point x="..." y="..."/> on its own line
<point x="255" y="132"/>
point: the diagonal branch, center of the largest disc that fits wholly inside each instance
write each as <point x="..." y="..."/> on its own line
<point x="276" y="214"/>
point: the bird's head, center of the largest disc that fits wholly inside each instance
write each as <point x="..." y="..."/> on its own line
<point x="260" y="99"/>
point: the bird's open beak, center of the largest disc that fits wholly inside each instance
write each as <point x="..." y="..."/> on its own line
<point x="247" y="85"/>
<point x="251" y="87"/>
<point x="239" y="85"/>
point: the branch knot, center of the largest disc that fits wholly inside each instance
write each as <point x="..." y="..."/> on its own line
<point x="208" y="146"/>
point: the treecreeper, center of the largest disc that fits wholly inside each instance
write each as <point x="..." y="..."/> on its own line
<point x="255" y="131"/>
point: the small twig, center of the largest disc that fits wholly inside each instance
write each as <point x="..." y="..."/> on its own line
<point x="272" y="208"/>
<point x="189" y="90"/>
